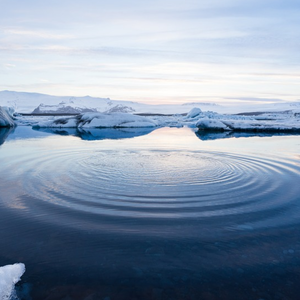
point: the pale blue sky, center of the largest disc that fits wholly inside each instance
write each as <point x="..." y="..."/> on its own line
<point x="155" y="51"/>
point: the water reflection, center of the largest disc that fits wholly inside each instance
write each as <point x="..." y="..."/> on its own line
<point x="92" y="134"/>
<point x="208" y="135"/>
<point x="4" y="133"/>
<point x="162" y="216"/>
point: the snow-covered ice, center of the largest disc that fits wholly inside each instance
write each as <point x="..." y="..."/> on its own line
<point x="196" y="118"/>
<point x="100" y="120"/>
<point x="105" y="113"/>
<point x="194" y="112"/>
<point x="9" y="276"/>
<point x="289" y="124"/>
<point x="211" y="124"/>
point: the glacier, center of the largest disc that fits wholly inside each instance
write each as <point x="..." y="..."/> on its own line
<point x="9" y="276"/>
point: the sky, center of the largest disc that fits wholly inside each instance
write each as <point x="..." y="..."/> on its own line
<point x="159" y="51"/>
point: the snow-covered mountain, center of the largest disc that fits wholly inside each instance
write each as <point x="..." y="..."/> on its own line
<point x="28" y="102"/>
<point x="40" y="103"/>
<point x="61" y="108"/>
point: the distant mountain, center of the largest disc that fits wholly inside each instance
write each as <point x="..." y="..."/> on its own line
<point x="23" y="102"/>
<point x="289" y="104"/>
<point x="37" y="103"/>
<point x="40" y="103"/>
<point x="200" y="104"/>
<point x="61" y="108"/>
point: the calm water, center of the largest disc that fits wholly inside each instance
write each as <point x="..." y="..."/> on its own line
<point x="142" y="214"/>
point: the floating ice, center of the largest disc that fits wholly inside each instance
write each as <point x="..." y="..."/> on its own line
<point x="194" y="112"/>
<point x="211" y="124"/>
<point x="9" y="276"/>
<point x="287" y="121"/>
<point x="6" y="117"/>
<point x="100" y="120"/>
<point x="250" y="125"/>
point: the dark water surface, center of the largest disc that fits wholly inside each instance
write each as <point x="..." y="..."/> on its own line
<point x="135" y="214"/>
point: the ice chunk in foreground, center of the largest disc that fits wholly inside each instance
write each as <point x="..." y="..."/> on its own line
<point x="9" y="276"/>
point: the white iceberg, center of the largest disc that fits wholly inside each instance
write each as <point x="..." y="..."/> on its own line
<point x="211" y="124"/>
<point x="194" y="112"/>
<point x="6" y="117"/>
<point x="284" y="122"/>
<point x="100" y="120"/>
<point x="284" y="126"/>
<point x="9" y="276"/>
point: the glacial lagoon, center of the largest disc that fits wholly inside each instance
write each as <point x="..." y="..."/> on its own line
<point x="145" y="214"/>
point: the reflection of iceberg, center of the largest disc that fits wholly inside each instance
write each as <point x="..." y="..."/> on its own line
<point x="99" y="133"/>
<point x="210" y="135"/>
<point x="4" y="133"/>
<point x="9" y="276"/>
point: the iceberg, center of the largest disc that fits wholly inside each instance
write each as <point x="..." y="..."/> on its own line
<point x="9" y="276"/>
<point x="236" y="125"/>
<point x="194" y="112"/>
<point x="99" y="120"/>
<point x="122" y="117"/>
<point x="211" y="125"/>
<point x="6" y="117"/>
<point x="280" y="122"/>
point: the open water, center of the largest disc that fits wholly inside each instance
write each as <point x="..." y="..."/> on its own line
<point x="141" y="214"/>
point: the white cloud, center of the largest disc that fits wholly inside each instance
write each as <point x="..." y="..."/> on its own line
<point x="34" y="34"/>
<point x="162" y="49"/>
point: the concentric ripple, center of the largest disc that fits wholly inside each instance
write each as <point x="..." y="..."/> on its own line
<point x="152" y="185"/>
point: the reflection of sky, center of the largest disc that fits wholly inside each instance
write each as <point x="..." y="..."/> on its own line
<point x="166" y="162"/>
<point x="153" y="52"/>
<point x="164" y="139"/>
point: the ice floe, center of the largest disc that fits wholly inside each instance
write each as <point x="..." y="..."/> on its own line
<point x="269" y="122"/>
<point x="100" y="120"/>
<point x="9" y="276"/>
<point x="6" y="117"/>
<point x="194" y="112"/>
<point x="250" y="125"/>
<point x="204" y="121"/>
